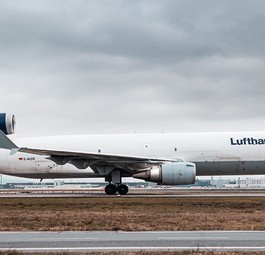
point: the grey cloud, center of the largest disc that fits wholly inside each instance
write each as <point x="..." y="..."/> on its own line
<point x="118" y="66"/>
<point x="170" y="31"/>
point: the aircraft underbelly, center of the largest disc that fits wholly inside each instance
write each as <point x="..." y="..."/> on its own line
<point x="235" y="167"/>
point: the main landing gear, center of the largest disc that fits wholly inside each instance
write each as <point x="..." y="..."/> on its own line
<point x="112" y="189"/>
<point x="115" y="183"/>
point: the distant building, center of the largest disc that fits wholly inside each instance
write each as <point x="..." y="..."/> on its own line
<point x="251" y="182"/>
<point x="66" y="185"/>
<point x="219" y="183"/>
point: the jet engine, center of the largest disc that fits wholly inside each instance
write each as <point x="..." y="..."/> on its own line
<point x="7" y="123"/>
<point x="177" y="173"/>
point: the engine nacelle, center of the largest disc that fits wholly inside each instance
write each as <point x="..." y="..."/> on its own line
<point x="178" y="173"/>
<point x="7" y="123"/>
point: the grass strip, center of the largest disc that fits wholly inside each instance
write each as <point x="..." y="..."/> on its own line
<point x="132" y="214"/>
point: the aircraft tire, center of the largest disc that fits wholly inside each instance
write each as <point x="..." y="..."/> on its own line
<point x="110" y="189"/>
<point x="123" y="189"/>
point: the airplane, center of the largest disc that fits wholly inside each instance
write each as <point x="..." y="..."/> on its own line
<point x="163" y="158"/>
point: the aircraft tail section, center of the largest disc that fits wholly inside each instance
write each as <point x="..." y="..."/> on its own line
<point x="5" y="142"/>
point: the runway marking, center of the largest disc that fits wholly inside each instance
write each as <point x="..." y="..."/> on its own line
<point x="193" y="238"/>
<point x="63" y="239"/>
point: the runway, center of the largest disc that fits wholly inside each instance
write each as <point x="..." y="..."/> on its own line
<point x="89" y="193"/>
<point x="132" y="241"/>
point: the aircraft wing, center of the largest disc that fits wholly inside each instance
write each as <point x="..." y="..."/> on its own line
<point x="99" y="162"/>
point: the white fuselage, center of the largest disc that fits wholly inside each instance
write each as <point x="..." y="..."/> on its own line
<point x="213" y="153"/>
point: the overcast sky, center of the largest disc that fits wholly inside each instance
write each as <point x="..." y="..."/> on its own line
<point x="116" y="66"/>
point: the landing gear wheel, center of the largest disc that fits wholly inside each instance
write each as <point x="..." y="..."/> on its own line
<point x="110" y="189"/>
<point x="123" y="189"/>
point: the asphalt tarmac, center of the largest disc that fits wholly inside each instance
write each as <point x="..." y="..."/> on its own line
<point x="135" y="193"/>
<point x="132" y="241"/>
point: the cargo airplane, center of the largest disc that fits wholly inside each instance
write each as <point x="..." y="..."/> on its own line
<point x="166" y="159"/>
